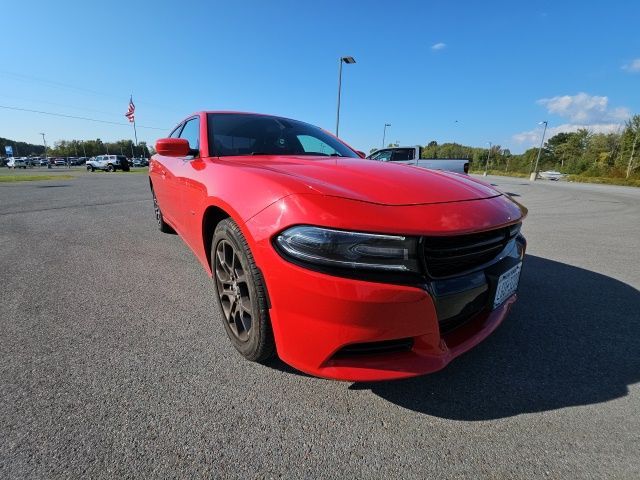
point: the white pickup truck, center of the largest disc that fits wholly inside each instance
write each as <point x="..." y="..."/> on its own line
<point x="411" y="156"/>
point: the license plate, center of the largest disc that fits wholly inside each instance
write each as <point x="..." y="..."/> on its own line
<point x="507" y="285"/>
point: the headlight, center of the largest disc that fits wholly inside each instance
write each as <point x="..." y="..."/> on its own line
<point x="349" y="250"/>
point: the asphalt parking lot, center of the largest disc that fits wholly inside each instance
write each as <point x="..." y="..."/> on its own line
<point x="114" y="362"/>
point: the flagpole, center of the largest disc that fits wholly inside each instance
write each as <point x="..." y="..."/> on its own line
<point x="135" y="132"/>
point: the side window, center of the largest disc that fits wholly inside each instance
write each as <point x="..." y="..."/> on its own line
<point x="191" y="132"/>
<point x="315" y="145"/>
<point x="383" y="155"/>
<point x="176" y="132"/>
<point x="402" y="154"/>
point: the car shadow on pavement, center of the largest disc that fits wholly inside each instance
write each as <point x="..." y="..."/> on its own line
<point x="573" y="338"/>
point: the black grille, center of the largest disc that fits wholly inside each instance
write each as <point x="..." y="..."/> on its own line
<point x="448" y="256"/>
<point x="372" y="348"/>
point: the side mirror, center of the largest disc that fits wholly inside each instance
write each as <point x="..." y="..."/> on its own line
<point x="173" y="147"/>
<point x="361" y="154"/>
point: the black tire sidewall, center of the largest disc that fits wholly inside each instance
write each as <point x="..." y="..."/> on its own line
<point x="252" y="348"/>
<point x="162" y="225"/>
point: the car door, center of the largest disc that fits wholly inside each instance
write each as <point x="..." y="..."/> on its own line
<point x="164" y="174"/>
<point x="193" y="190"/>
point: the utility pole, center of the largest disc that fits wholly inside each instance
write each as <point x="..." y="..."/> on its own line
<point x="384" y="133"/>
<point x="633" y="151"/>
<point x="534" y="175"/>
<point x="45" y="148"/>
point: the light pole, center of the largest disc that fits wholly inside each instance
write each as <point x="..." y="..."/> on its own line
<point x="486" y="165"/>
<point x="533" y="175"/>
<point x="84" y="152"/>
<point x="384" y="133"/>
<point x="347" y="60"/>
<point x="45" y="148"/>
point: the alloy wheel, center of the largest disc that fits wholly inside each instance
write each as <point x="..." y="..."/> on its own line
<point x="233" y="290"/>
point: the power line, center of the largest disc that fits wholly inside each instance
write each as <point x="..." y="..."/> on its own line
<point x="44" y="102"/>
<point x="77" y="118"/>
<point x="86" y="91"/>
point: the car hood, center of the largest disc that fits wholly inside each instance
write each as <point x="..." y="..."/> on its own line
<point x="372" y="181"/>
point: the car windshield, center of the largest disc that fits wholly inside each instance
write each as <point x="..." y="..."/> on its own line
<point x="233" y="134"/>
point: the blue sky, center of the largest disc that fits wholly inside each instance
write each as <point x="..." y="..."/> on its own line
<point x="498" y="68"/>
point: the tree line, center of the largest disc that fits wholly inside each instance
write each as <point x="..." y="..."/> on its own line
<point x="91" y="148"/>
<point x="79" y="148"/>
<point x="579" y="153"/>
<point x="21" y="149"/>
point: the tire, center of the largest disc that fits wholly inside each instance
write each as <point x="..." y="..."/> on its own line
<point x="240" y="293"/>
<point x="110" y="168"/>
<point x="162" y="225"/>
<point x="90" y="168"/>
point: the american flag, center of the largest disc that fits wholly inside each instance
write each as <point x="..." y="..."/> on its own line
<point x="131" y="111"/>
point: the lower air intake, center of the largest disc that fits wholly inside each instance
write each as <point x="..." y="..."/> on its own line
<point x="375" y="348"/>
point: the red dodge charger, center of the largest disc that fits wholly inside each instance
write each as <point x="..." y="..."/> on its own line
<point x="347" y="268"/>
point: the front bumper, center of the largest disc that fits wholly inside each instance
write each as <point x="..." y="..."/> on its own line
<point x="317" y="317"/>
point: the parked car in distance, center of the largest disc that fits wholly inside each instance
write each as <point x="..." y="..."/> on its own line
<point x="108" y="163"/>
<point x="17" y="162"/>
<point x="140" y="162"/>
<point x="60" y="162"/>
<point x="350" y="269"/>
<point x="412" y="156"/>
<point x="551" y="175"/>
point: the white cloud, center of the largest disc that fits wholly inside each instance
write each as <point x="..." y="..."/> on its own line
<point x="583" y="108"/>
<point x="533" y="137"/>
<point x="581" y="111"/>
<point x="438" y="46"/>
<point x="632" y="66"/>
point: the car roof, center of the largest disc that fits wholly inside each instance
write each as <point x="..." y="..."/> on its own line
<point x="226" y="112"/>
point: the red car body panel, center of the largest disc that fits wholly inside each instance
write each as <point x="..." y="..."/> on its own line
<point x="315" y="314"/>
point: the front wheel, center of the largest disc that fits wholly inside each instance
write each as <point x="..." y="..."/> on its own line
<point x="110" y="168"/>
<point x="90" y="168"/>
<point x="241" y="293"/>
